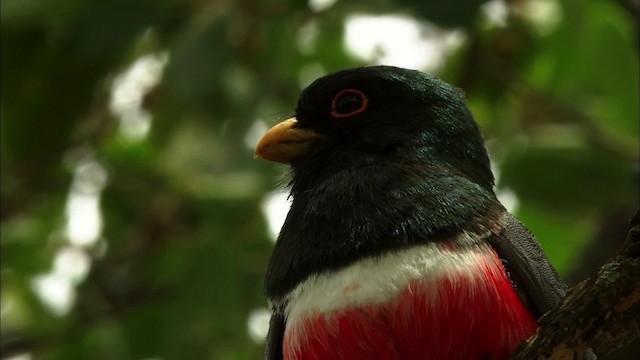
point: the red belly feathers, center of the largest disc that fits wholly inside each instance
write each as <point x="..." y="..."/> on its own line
<point x="457" y="316"/>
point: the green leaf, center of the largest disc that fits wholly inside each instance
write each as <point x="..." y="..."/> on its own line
<point x="567" y="179"/>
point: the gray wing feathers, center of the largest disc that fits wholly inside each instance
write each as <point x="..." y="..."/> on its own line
<point x="526" y="258"/>
<point x="531" y="268"/>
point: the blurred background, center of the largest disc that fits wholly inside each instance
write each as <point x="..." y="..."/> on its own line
<point x="135" y="221"/>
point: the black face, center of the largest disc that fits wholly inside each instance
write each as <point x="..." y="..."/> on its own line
<point x="385" y="113"/>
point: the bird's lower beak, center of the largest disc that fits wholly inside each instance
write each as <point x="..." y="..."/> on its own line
<point x="285" y="142"/>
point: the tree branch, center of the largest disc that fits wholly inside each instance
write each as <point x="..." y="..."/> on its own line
<point x="602" y="312"/>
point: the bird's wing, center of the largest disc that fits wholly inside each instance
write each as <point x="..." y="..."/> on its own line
<point x="275" y="337"/>
<point x="534" y="277"/>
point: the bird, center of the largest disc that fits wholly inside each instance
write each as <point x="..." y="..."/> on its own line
<point x="395" y="245"/>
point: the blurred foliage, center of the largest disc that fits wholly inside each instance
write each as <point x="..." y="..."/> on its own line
<point x="178" y="264"/>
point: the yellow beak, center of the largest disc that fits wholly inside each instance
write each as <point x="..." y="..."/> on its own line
<point x="285" y="142"/>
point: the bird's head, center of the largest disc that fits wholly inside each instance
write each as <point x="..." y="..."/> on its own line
<point x="370" y="115"/>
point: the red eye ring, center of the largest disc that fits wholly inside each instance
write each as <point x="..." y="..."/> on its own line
<point x="335" y="104"/>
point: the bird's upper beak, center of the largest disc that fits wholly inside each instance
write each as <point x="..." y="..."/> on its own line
<point x="285" y="142"/>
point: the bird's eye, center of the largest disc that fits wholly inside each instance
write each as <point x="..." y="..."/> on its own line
<point x="348" y="102"/>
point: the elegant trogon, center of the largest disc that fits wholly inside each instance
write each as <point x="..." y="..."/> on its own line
<point x="395" y="246"/>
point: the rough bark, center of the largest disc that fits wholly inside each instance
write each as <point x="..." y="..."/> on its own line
<point x="601" y="312"/>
